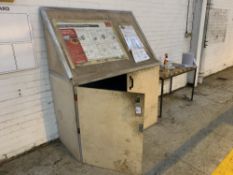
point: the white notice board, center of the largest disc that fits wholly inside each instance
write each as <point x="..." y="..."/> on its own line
<point x="16" y="47"/>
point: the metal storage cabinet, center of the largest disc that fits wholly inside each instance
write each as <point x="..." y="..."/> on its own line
<point x="102" y="107"/>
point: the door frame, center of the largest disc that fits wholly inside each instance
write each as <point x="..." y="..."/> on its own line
<point x="198" y="35"/>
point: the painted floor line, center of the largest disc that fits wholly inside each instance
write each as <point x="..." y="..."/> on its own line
<point x="226" y="166"/>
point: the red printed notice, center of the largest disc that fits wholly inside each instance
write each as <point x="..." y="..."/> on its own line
<point x="73" y="46"/>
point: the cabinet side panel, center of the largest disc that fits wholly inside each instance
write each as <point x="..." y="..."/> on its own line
<point x="64" y="104"/>
<point x="54" y="63"/>
<point x="146" y="82"/>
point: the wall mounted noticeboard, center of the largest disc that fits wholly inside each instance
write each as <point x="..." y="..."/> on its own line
<point x="16" y="47"/>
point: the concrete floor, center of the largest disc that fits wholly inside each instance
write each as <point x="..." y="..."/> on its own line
<point x="191" y="139"/>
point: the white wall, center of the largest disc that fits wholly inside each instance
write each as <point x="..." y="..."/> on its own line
<point x="27" y="118"/>
<point x="219" y="55"/>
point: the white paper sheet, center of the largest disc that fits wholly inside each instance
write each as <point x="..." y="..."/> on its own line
<point x="134" y="44"/>
<point x="131" y="37"/>
<point x="140" y="55"/>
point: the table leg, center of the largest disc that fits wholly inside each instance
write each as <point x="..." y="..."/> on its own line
<point x="171" y="81"/>
<point x="194" y="82"/>
<point x="161" y="99"/>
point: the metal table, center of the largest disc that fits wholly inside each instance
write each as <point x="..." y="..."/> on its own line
<point x="168" y="74"/>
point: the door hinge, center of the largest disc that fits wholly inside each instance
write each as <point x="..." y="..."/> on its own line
<point x="75" y="97"/>
<point x="205" y="43"/>
<point x="141" y="127"/>
<point x="78" y="130"/>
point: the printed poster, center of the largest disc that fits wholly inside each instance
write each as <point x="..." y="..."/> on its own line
<point x="95" y="42"/>
<point x="73" y="46"/>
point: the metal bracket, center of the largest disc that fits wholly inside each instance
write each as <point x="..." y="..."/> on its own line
<point x="205" y="43"/>
<point x="75" y="97"/>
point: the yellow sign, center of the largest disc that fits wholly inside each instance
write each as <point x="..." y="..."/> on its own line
<point x="7" y="0"/>
<point x="226" y="166"/>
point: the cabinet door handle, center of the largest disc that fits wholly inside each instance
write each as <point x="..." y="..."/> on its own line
<point x="132" y="82"/>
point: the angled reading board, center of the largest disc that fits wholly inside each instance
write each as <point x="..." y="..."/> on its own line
<point x="94" y="44"/>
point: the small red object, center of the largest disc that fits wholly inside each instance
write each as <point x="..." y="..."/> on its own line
<point x="165" y="59"/>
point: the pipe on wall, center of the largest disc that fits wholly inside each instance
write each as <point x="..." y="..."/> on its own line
<point x="204" y="42"/>
<point x="187" y="33"/>
<point x="198" y="33"/>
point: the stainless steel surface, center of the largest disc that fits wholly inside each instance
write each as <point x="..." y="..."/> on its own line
<point x="61" y="55"/>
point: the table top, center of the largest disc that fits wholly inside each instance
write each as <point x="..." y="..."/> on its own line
<point x="178" y="69"/>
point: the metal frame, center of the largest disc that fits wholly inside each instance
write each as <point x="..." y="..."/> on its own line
<point x="56" y="43"/>
<point x="170" y="88"/>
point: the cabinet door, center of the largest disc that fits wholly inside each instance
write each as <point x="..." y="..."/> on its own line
<point x="146" y="82"/>
<point x="111" y="129"/>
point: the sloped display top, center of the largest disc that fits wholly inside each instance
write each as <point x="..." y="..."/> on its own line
<point x="93" y="45"/>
